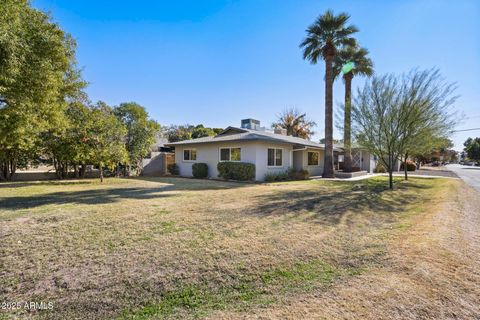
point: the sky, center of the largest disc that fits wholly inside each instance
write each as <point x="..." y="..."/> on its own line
<point x="216" y="62"/>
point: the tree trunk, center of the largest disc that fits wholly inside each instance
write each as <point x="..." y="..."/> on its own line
<point x="328" y="169"/>
<point x="390" y="172"/>
<point x="390" y="179"/>
<point x="2" y="172"/>
<point x="347" y="124"/>
<point x="8" y="168"/>
<point x="75" y="169"/>
<point x="405" y="167"/>
<point x="83" y="169"/>
<point x="101" y="172"/>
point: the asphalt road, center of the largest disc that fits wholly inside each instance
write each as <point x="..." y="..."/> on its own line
<point x="469" y="174"/>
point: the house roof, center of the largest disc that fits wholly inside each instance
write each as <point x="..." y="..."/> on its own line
<point x="244" y="134"/>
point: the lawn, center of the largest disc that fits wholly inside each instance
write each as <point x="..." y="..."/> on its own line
<point x="185" y="248"/>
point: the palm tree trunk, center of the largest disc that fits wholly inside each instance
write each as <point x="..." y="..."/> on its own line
<point x="328" y="170"/>
<point x="347" y="123"/>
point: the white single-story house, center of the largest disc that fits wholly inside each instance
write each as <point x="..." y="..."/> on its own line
<point x="271" y="152"/>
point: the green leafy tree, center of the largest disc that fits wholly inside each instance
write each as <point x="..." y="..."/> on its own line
<point x="106" y="138"/>
<point x="361" y="66"/>
<point x="472" y="148"/>
<point x="141" y="132"/>
<point x="432" y="148"/>
<point x="426" y="102"/>
<point x="325" y="37"/>
<point x="296" y="123"/>
<point x="201" y="131"/>
<point x="393" y="115"/>
<point x="79" y="135"/>
<point x="176" y="133"/>
<point x="37" y="66"/>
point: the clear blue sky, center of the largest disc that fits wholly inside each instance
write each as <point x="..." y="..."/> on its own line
<point x="216" y="62"/>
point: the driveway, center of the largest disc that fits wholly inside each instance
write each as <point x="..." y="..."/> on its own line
<point x="469" y="174"/>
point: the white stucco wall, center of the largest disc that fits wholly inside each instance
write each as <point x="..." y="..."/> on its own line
<point x="261" y="164"/>
<point x="369" y="163"/>
<point x="302" y="157"/>
<point x="251" y="151"/>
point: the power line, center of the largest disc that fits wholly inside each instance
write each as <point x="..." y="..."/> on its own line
<point x="471" y="129"/>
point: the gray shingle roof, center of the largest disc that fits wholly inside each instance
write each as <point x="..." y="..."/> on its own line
<point x="243" y="134"/>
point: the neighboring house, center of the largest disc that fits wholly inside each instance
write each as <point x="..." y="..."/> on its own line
<point x="271" y="152"/>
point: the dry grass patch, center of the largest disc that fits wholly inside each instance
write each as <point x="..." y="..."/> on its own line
<point x="156" y="248"/>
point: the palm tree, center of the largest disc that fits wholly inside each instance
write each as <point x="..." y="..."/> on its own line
<point x="360" y="65"/>
<point x="296" y="123"/>
<point x="325" y="37"/>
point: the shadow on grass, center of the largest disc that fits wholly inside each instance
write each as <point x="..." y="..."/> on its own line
<point x="182" y="183"/>
<point x="21" y="184"/>
<point x="111" y="194"/>
<point x="329" y="205"/>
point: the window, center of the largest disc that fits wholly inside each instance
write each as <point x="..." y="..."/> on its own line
<point x="313" y="158"/>
<point x="230" y="154"/>
<point x="235" y="154"/>
<point x="275" y="157"/>
<point x="189" y="154"/>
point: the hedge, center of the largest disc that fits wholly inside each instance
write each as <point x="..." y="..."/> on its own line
<point x="200" y="170"/>
<point x="241" y="171"/>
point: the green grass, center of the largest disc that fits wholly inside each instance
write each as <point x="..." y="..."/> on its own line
<point x="199" y="300"/>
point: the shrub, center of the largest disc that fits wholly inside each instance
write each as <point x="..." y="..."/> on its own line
<point x="200" y="170"/>
<point x="241" y="171"/>
<point x="269" y="177"/>
<point x="173" y="169"/>
<point x="301" y="174"/>
<point x="291" y="174"/>
<point x="380" y="168"/>
<point x="411" y="166"/>
<point x="277" y="176"/>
